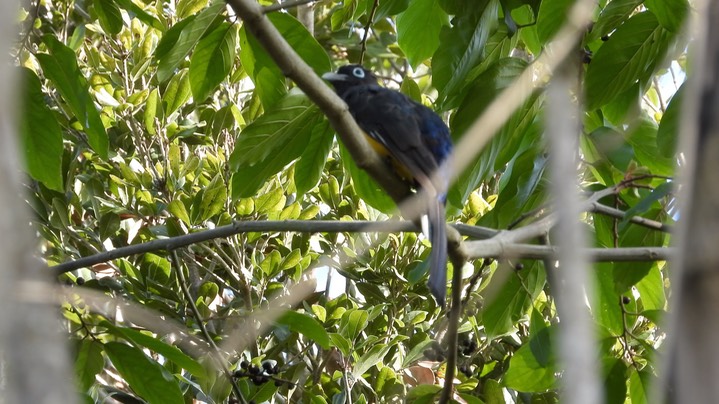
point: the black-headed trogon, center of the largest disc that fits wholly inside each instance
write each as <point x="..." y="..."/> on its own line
<point x="416" y="141"/>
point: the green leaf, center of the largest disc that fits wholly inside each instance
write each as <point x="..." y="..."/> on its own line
<point x="186" y="8"/>
<point x="262" y="69"/>
<point x="188" y="38"/>
<point x="109" y="15"/>
<point x="277" y="137"/>
<point x="531" y="368"/>
<point x="643" y="138"/>
<point x="424" y="393"/>
<point x="308" y="169"/>
<point x="291" y="260"/>
<point x="88" y="363"/>
<point x="630" y="54"/>
<point x="410" y="88"/>
<point x="670" y="13"/>
<point x="307" y="326"/>
<point x="607" y="310"/>
<point x="145" y="376"/>
<point x="365" y="186"/>
<point x="213" y="198"/>
<point x="668" y="131"/>
<point x="40" y="134"/>
<point x="520" y="187"/>
<point x="156" y="345"/>
<point x="153" y="109"/>
<point x="645" y="204"/>
<point x="141" y="14"/>
<point x="212" y="60"/>
<point x="171" y="36"/>
<point x="271" y="202"/>
<point x="615" y="380"/>
<point x="651" y="290"/>
<point x="519" y="133"/>
<point x="352" y="323"/>
<point x="293" y="117"/>
<point x="60" y="67"/>
<point x="369" y="359"/>
<point x="612" y="146"/>
<point x="614" y="14"/>
<point x="552" y="14"/>
<point x="640" y="385"/>
<point x="390" y="7"/>
<point x="271" y="264"/>
<point x="418" y="30"/>
<point x="176" y="93"/>
<point x="461" y="49"/>
<point x="512" y="300"/>
<point x="341" y="343"/>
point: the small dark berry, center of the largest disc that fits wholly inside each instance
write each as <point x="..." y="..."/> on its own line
<point x="253" y="369"/>
<point x="279" y="383"/>
<point x="238" y="373"/>
<point x="244" y="364"/>
<point x="519" y="266"/>
<point x="605" y="38"/>
<point x="276" y="370"/>
<point x="80" y="280"/>
<point x="430" y="354"/>
<point x="626" y="300"/>
<point x="268" y="365"/>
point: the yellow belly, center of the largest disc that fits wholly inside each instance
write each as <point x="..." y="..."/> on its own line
<point x="396" y="165"/>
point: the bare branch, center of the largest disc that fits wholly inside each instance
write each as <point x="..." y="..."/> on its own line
<point x="597" y="207"/>
<point x="499" y="250"/>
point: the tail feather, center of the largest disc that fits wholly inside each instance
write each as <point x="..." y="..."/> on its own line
<point x="438" y="256"/>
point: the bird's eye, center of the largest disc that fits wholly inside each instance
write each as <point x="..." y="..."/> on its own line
<point x="358" y="72"/>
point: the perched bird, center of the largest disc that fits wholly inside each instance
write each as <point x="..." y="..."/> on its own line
<point x="414" y="139"/>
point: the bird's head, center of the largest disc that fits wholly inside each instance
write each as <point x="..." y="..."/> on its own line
<point x="349" y="76"/>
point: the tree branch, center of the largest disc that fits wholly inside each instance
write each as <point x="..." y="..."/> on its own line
<point x="597" y="207"/>
<point x="498" y="250"/>
<point x="305" y="226"/>
<point x="492" y="244"/>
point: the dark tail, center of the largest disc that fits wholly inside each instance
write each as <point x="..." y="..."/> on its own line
<point x="438" y="256"/>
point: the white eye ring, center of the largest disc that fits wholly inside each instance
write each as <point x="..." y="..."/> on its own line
<point x="358" y="72"/>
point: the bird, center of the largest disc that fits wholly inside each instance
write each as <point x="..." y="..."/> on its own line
<point x="417" y="143"/>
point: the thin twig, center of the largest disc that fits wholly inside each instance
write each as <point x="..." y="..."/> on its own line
<point x="367" y="27"/>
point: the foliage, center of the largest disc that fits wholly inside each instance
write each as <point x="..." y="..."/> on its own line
<point x="146" y="119"/>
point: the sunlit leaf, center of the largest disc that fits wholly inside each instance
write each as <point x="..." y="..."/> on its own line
<point x="212" y="60"/>
<point x="418" y="30"/>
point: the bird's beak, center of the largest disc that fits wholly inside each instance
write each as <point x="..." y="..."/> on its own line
<point x="330" y="76"/>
